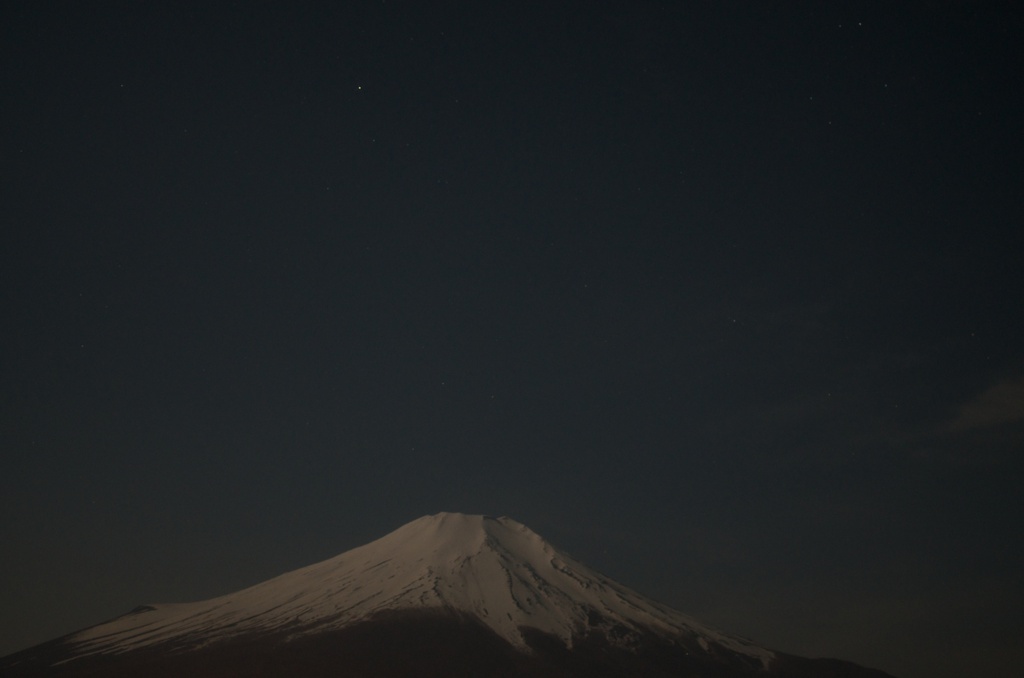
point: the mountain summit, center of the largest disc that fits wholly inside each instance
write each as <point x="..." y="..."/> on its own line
<point x="448" y="594"/>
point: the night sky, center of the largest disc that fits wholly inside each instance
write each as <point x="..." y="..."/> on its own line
<point x="724" y="299"/>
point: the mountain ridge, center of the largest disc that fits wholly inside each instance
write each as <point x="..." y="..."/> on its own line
<point x="485" y="577"/>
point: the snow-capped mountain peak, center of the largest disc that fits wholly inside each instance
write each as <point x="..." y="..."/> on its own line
<point x="495" y="570"/>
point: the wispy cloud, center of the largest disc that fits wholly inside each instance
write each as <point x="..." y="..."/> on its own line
<point x="1002" y="403"/>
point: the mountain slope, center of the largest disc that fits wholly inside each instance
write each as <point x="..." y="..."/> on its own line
<point x="489" y="592"/>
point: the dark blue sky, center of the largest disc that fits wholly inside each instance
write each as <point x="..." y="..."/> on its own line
<point x="724" y="300"/>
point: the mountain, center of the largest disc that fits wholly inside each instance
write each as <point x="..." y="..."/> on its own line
<point x="445" y="595"/>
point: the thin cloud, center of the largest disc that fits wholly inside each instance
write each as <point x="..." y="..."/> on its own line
<point x="1000" y="404"/>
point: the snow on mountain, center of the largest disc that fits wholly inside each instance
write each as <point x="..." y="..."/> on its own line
<point x="494" y="569"/>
